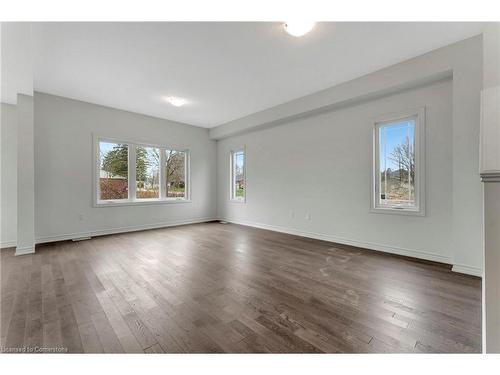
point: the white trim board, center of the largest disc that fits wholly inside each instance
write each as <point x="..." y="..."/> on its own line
<point x="365" y="245"/>
<point x="7" y="244"/>
<point x="135" y="228"/>
<point x="459" y="268"/>
<point x="103" y="232"/>
<point x="468" y="270"/>
<point x="25" y="250"/>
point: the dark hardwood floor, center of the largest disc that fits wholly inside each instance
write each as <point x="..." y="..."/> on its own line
<point x="228" y="288"/>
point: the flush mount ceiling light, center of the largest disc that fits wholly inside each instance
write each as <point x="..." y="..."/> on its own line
<point x="176" y="101"/>
<point x="298" y="28"/>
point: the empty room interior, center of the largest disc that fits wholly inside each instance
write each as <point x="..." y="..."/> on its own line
<point x="250" y="187"/>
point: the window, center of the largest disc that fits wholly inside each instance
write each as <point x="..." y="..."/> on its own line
<point x="113" y="171"/>
<point x="147" y="172"/>
<point x="175" y="172"/>
<point x="238" y="183"/>
<point x="120" y="161"/>
<point x="398" y="166"/>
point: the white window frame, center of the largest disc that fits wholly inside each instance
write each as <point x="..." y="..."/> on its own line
<point x="232" y="193"/>
<point x="418" y="115"/>
<point x="132" y="200"/>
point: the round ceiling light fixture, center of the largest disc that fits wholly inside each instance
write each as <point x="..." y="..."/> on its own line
<point x="176" y="101"/>
<point x="298" y="28"/>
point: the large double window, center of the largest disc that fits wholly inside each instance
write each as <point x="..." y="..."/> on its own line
<point x="130" y="173"/>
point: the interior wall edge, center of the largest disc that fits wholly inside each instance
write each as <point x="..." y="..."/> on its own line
<point x="359" y="98"/>
<point x="434" y="63"/>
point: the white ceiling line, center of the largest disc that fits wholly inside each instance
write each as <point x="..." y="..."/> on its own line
<point x="425" y="69"/>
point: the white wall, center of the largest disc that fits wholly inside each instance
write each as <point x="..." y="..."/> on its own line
<point x="491" y="54"/>
<point x="322" y="164"/>
<point x="463" y="62"/>
<point x="8" y="208"/>
<point x="64" y="169"/>
<point x="17" y="60"/>
<point x="491" y="280"/>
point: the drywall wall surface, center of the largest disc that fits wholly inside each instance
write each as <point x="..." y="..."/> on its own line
<point x="64" y="130"/>
<point x="463" y="62"/>
<point x="321" y="167"/>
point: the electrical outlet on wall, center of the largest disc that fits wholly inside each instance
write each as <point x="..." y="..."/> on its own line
<point x="308" y="216"/>
<point x="81" y="217"/>
<point x="292" y="214"/>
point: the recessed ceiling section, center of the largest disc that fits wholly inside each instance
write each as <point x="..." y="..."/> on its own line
<point x="223" y="71"/>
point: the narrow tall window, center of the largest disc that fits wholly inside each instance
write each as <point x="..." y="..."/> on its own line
<point x="113" y="171"/>
<point x="175" y="173"/>
<point x="238" y="183"/>
<point x="147" y="172"/>
<point x="397" y="170"/>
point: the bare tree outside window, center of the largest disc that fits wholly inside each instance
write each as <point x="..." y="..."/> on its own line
<point x="147" y="172"/>
<point x="175" y="170"/>
<point x="397" y="163"/>
<point x="238" y="175"/>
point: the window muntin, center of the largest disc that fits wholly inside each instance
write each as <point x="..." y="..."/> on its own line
<point x="147" y="172"/>
<point x="238" y="183"/>
<point x="113" y="171"/>
<point x="175" y="174"/>
<point x="138" y="167"/>
<point x="398" y="184"/>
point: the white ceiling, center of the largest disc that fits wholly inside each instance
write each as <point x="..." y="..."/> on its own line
<point x="225" y="70"/>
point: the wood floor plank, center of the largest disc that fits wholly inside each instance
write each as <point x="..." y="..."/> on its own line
<point x="214" y="288"/>
<point x="107" y="336"/>
<point x="69" y="330"/>
<point x="90" y="339"/>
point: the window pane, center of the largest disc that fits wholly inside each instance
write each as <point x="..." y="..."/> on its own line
<point x="397" y="164"/>
<point x="147" y="172"/>
<point x="175" y="171"/>
<point x="113" y="173"/>
<point x="239" y="175"/>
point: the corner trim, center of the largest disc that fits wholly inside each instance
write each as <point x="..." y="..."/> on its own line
<point x="25" y="250"/>
<point x="104" y="232"/>
<point x="468" y="270"/>
<point x="365" y="245"/>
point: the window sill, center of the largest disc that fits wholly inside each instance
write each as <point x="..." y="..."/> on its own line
<point x="237" y="200"/>
<point x="139" y="202"/>
<point x="398" y="211"/>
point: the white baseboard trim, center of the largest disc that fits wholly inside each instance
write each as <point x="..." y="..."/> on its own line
<point x="459" y="268"/>
<point x="104" y="232"/>
<point x="6" y="244"/>
<point x="25" y="250"/>
<point x="468" y="270"/>
<point x="365" y="245"/>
